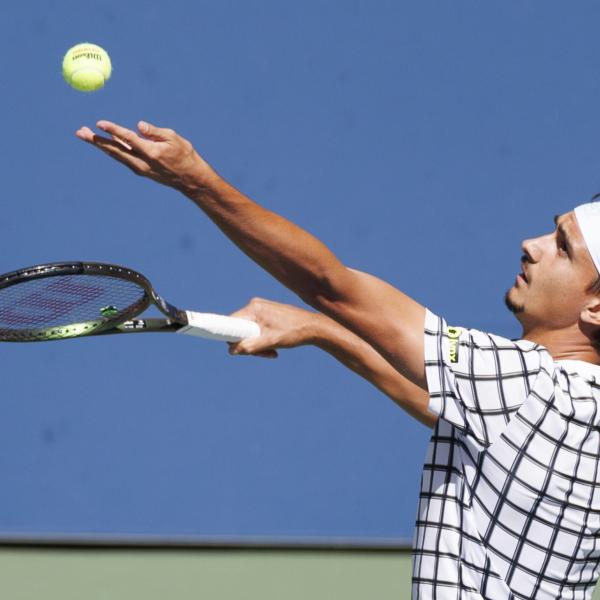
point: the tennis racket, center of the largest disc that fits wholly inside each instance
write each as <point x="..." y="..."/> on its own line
<point x="57" y="301"/>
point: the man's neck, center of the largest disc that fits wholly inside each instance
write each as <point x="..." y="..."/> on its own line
<point x="565" y="344"/>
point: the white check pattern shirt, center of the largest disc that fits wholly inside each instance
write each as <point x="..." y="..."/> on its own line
<point x="510" y="497"/>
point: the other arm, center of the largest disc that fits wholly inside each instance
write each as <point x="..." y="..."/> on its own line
<point x="285" y="326"/>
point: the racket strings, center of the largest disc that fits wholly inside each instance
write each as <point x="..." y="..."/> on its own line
<point x="62" y="300"/>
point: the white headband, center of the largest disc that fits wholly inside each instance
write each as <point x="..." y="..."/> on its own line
<point x="588" y="218"/>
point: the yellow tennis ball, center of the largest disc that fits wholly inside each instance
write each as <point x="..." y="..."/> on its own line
<point x="86" y="67"/>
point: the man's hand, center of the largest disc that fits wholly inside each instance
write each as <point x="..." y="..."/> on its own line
<point x="159" y="154"/>
<point x="281" y="326"/>
<point x="285" y="326"/>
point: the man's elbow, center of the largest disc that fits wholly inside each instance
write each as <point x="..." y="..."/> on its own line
<point x="327" y="290"/>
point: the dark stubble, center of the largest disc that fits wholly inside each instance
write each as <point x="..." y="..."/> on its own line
<point x="513" y="306"/>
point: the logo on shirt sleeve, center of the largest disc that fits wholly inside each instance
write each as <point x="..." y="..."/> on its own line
<point x="453" y="335"/>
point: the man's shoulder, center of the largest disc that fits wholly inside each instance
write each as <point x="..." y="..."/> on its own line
<point x="476" y="337"/>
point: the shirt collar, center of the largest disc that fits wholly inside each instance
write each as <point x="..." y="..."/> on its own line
<point x="586" y="369"/>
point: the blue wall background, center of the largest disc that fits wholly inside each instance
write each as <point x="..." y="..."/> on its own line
<point x="421" y="140"/>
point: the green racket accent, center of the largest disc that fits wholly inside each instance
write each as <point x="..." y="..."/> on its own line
<point x="109" y="311"/>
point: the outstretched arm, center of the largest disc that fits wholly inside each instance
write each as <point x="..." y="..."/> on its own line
<point x="383" y="316"/>
<point x="285" y="326"/>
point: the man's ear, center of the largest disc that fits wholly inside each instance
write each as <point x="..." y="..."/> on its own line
<point x="590" y="314"/>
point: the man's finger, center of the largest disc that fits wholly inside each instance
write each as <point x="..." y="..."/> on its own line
<point x="235" y="350"/>
<point x="243" y="313"/>
<point x="119" y="152"/>
<point x="249" y="346"/>
<point x="85" y="134"/>
<point x="122" y="142"/>
<point x="131" y="138"/>
<point x="156" y="134"/>
<point x="267" y="354"/>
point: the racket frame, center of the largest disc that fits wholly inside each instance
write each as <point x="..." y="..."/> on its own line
<point x="121" y="323"/>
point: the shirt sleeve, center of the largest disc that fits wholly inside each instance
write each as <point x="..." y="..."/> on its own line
<point x="476" y="380"/>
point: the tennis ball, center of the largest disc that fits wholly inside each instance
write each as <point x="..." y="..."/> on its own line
<point x="86" y="67"/>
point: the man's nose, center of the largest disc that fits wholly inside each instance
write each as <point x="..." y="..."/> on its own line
<point x="531" y="250"/>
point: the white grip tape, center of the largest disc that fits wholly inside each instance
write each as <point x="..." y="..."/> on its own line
<point x="219" y="327"/>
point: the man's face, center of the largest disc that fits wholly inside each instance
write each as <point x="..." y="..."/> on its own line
<point x="556" y="272"/>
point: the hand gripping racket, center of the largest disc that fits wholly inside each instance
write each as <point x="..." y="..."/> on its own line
<point x="57" y="301"/>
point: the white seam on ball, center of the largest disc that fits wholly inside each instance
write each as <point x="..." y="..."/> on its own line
<point x="73" y="73"/>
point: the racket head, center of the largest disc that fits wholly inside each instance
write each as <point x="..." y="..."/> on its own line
<point x="56" y="301"/>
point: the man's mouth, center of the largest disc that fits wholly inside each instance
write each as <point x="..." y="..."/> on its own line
<point x="522" y="274"/>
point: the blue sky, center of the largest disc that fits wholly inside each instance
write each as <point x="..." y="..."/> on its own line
<point x="423" y="141"/>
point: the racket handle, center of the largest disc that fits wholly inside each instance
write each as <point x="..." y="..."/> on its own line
<point x="219" y="327"/>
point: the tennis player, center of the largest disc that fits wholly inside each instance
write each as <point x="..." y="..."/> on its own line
<point x="510" y="501"/>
